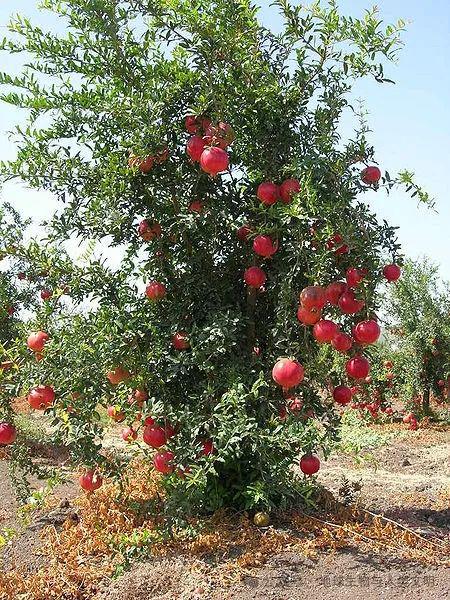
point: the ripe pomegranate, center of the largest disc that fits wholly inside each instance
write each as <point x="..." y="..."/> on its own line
<point x="388" y="364"/>
<point x="170" y="430"/>
<point x="342" y="342"/>
<point x="441" y="383"/>
<point x="334" y="291"/>
<point x="221" y="135"/>
<point x="155" y="290"/>
<point x="357" y="367"/>
<point x="149" y="421"/>
<point x="308" y="317"/>
<point x="195" y="124"/>
<point x="243" y="232"/>
<point x="191" y="124"/>
<point x="149" y="231"/>
<point x="354" y="276"/>
<point x="8" y="434"/>
<point x="163" y="462"/>
<point x="115" y="414"/>
<point x="309" y="464"/>
<point x="389" y="411"/>
<point x="295" y="405"/>
<point x="288" y="373"/>
<point x="313" y="297"/>
<point x="118" y="375"/>
<point x="46" y="294"/>
<point x="367" y="332"/>
<point x="207" y="447"/>
<point x="41" y="397"/>
<point x="288" y="189"/>
<point x="146" y="164"/>
<point x="195" y="147"/>
<point x="268" y="193"/>
<point x="154" y="436"/>
<point x="371" y="175"/>
<point x="90" y="481"/>
<point x="37" y="340"/>
<point x="389" y="376"/>
<point x="180" y="340"/>
<point x="129" y="434"/>
<point x="254" y="277"/>
<point x="325" y="330"/>
<point x="342" y="394"/>
<point x="214" y="160"/>
<point x="349" y="304"/>
<point x="392" y="272"/>
<point x="140" y="395"/>
<point x="196" y="206"/>
<point x="21" y="276"/>
<point x="263" y="245"/>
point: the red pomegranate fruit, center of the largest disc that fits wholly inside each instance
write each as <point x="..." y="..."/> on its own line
<point x="263" y="245"/>
<point x="195" y="147"/>
<point x="243" y="233"/>
<point x="342" y="342"/>
<point x="349" y="304"/>
<point x="254" y="277"/>
<point x="180" y="340"/>
<point x="90" y="480"/>
<point x="288" y="189"/>
<point x="128" y="434"/>
<point x="371" y="175"/>
<point x="37" y="340"/>
<point x="162" y="462"/>
<point x="309" y="464"/>
<point x="149" y="231"/>
<point x="342" y="394"/>
<point x="117" y="375"/>
<point x="313" y="297"/>
<point x="357" y="367"/>
<point x="392" y="272"/>
<point x="308" y="317"/>
<point x="268" y="193"/>
<point x="41" y="397"/>
<point x="155" y="290"/>
<point x="8" y="434"/>
<point x="325" y="330"/>
<point x="288" y="373"/>
<point x="334" y="291"/>
<point x="214" y="161"/>
<point x="367" y="332"/>
<point x="154" y="436"/>
<point x="207" y="447"/>
<point x="354" y="276"/>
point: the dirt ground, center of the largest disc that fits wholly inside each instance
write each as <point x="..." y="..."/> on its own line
<point x="409" y="483"/>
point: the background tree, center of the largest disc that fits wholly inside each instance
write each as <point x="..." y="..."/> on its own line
<point x="123" y="108"/>
<point x="419" y="311"/>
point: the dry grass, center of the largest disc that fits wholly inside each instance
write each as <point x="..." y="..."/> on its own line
<point x="81" y="555"/>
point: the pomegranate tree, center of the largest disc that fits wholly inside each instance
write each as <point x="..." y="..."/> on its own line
<point x="244" y="308"/>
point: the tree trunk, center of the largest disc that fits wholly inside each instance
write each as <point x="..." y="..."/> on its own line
<point x="426" y="401"/>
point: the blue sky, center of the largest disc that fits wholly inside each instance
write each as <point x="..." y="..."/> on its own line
<point x="410" y="122"/>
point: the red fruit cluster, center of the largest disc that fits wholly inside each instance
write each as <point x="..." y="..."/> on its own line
<point x="269" y="193"/>
<point x="146" y="164"/>
<point x="207" y="144"/>
<point x="148" y="231"/>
